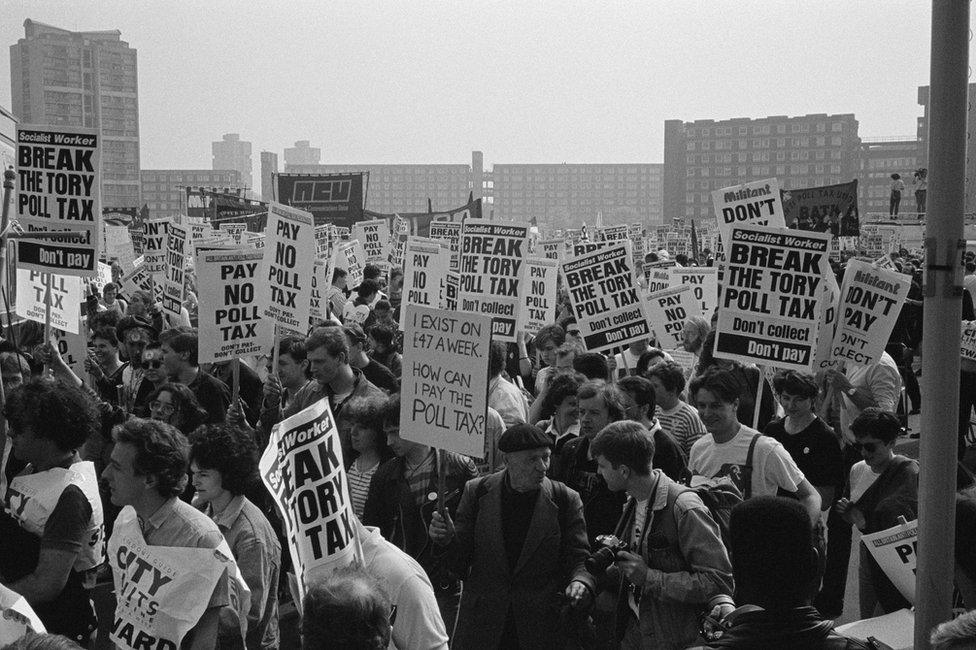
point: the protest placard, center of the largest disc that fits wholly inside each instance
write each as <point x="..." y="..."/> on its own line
<point x="350" y="257"/>
<point x="492" y="254"/>
<point x="667" y="311"/>
<point x="232" y="291"/>
<point x="449" y="232"/>
<point x="757" y="203"/>
<point x="895" y="551"/>
<point x="17" y="618"/>
<point x="703" y="281"/>
<point x="657" y="275"/>
<point x="552" y="249"/>
<point x="605" y="297"/>
<point x="317" y="305"/>
<point x="256" y="240"/>
<point x="72" y="347"/>
<point x="687" y="360"/>
<point x="613" y="233"/>
<point x="198" y="230"/>
<point x="427" y="262"/>
<point x="302" y="467"/>
<point x="235" y="230"/>
<point x="289" y="261"/>
<point x="59" y="189"/>
<point x="163" y="591"/>
<point x="174" y="282"/>
<point x="537" y="294"/>
<point x="829" y="309"/>
<point x="154" y="245"/>
<point x="66" y="298"/>
<point x="871" y="300"/>
<point x="445" y="379"/>
<point x="968" y="343"/>
<point x="140" y="279"/>
<point x="452" y="285"/>
<point x="584" y="247"/>
<point x="375" y="238"/>
<point x="118" y="244"/>
<point x="770" y="310"/>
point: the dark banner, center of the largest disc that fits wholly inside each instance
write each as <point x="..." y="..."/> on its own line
<point x="831" y="208"/>
<point x="331" y="198"/>
<point x="420" y="221"/>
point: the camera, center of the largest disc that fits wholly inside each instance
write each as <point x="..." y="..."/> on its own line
<point x="603" y="557"/>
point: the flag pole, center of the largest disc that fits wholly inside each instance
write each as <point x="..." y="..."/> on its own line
<point x="942" y="318"/>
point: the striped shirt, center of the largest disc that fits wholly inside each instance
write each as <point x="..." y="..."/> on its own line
<point x="682" y="422"/>
<point x="359" y="486"/>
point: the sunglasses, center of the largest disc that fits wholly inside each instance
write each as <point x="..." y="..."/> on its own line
<point x="153" y="364"/>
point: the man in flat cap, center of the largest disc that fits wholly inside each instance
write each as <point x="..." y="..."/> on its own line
<point x="519" y="542"/>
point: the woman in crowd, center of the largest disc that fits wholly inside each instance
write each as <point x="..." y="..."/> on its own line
<point x="546" y="342"/>
<point x="561" y="409"/>
<point x="369" y="443"/>
<point x="224" y="463"/>
<point x="881" y="488"/>
<point x="175" y="404"/>
<point x="110" y="299"/>
<point x="748" y="377"/>
<point x="153" y="377"/>
<point x="810" y="441"/>
<point x="51" y="536"/>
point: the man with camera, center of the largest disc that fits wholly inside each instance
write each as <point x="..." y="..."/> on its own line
<point x="518" y="540"/>
<point x="666" y="550"/>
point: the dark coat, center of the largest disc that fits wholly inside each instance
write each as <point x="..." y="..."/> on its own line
<point x="551" y="557"/>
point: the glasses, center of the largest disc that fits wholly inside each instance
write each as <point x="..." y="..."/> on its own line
<point x="152" y="363"/>
<point x="162" y="407"/>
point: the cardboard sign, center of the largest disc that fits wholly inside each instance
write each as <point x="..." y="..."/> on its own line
<point x="492" y="255"/>
<point x="375" y="237"/>
<point x="118" y="244"/>
<point x="537" y="294"/>
<point x="757" y="203"/>
<point x="829" y="309"/>
<point x="968" y="344"/>
<point x="154" y="245"/>
<point x="896" y="552"/>
<point x="235" y="230"/>
<point x="667" y="311"/>
<point x="302" y="467"/>
<point x="17" y="618"/>
<point x="351" y="257"/>
<point x="770" y="310"/>
<point x="449" y="232"/>
<point x="162" y="591"/>
<point x="445" y="379"/>
<point x="703" y="281"/>
<point x="59" y="189"/>
<point x="289" y="261"/>
<point x="426" y="265"/>
<point x="232" y="291"/>
<point x="871" y="300"/>
<point x="605" y="297"/>
<point x="66" y="298"/>
<point x="174" y="282"/>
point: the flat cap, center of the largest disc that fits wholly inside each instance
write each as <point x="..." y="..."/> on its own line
<point x="523" y="436"/>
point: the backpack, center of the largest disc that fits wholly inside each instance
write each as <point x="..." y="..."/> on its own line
<point x="720" y="498"/>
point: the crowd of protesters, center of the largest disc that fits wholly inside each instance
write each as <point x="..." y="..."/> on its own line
<point x="621" y="500"/>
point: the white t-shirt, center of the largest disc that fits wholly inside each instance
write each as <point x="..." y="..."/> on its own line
<point x="862" y="477"/>
<point x="772" y="465"/>
<point x="626" y="362"/>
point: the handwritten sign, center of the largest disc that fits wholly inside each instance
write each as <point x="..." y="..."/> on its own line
<point x="445" y="380"/>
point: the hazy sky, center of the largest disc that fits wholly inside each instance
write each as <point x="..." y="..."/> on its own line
<point x="428" y="82"/>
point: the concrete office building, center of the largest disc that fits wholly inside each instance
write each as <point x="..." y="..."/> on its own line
<point x="164" y="190"/>
<point x="302" y="154"/>
<point x="878" y="159"/>
<point x="568" y="195"/>
<point x="705" y="155"/>
<point x="90" y="79"/>
<point x="923" y="140"/>
<point x="269" y="167"/>
<point x="233" y="153"/>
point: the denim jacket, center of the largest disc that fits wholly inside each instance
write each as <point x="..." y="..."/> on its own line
<point x="687" y="565"/>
